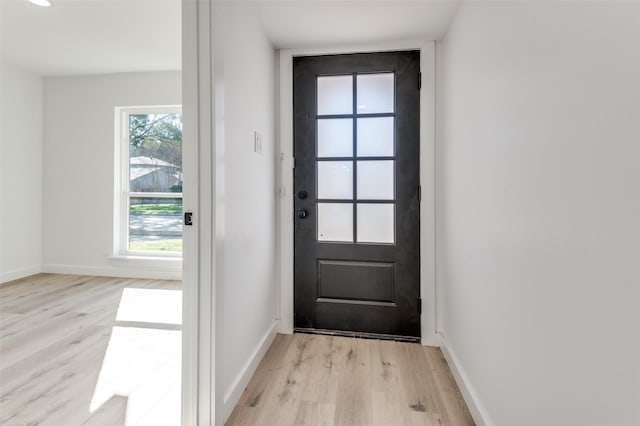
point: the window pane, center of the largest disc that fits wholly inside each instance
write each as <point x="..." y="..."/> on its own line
<point x="155" y="153"/>
<point x="335" y="222"/>
<point x="335" y="95"/>
<point x="335" y="137"/>
<point x="155" y="224"/>
<point x="335" y="180"/>
<point x="375" y="137"/>
<point x="376" y="223"/>
<point x="375" y="93"/>
<point x="376" y="180"/>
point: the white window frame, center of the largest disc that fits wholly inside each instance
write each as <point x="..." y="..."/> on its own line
<point x="122" y="193"/>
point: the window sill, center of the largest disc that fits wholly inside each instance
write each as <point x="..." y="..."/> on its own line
<point x="151" y="262"/>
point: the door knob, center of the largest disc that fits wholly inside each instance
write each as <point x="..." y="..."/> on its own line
<point x="302" y="213"/>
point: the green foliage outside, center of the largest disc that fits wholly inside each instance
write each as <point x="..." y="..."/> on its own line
<point x="157" y="136"/>
<point x="163" y="209"/>
<point x="156" y="245"/>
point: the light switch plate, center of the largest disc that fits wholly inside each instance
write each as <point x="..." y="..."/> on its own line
<point x="257" y="142"/>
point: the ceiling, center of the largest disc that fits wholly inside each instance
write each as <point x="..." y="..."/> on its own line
<point x="109" y="36"/>
<point x="92" y="36"/>
<point x="299" y="24"/>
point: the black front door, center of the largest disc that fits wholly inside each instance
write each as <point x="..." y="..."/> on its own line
<point x="356" y="182"/>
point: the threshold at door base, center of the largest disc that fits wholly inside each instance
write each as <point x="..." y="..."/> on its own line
<point x="358" y="335"/>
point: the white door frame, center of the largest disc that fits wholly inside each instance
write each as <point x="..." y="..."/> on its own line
<point x="427" y="179"/>
<point x="190" y="240"/>
<point x="202" y="396"/>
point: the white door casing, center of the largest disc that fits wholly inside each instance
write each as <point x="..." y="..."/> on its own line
<point x="427" y="179"/>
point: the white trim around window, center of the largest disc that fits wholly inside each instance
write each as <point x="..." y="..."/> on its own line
<point x="122" y="193"/>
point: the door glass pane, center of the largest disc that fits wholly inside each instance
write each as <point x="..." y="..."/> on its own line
<point x="335" y="180"/>
<point x="335" y="137"/>
<point x="335" y="222"/>
<point x="376" y="180"/>
<point x="155" y="224"/>
<point x="375" y="93"/>
<point x="375" y="137"/>
<point x="335" y="95"/>
<point x="376" y="223"/>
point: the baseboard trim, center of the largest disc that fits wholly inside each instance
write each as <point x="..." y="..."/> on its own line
<point x="20" y="273"/>
<point x="469" y="394"/>
<point x="232" y="396"/>
<point x="123" y="272"/>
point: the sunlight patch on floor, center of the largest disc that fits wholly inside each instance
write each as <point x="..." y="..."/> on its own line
<point x="143" y="364"/>
<point x="150" y="306"/>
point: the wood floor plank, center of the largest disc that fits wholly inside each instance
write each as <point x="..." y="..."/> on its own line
<point x="315" y="414"/>
<point x="35" y="290"/>
<point x="261" y="391"/>
<point x="389" y="399"/>
<point x="452" y="399"/>
<point x="44" y="366"/>
<point x="354" y="400"/>
<point x="18" y="347"/>
<point x="54" y="296"/>
<point x="326" y="369"/>
<point x="9" y="318"/>
<point x="83" y="301"/>
<point x="18" y="287"/>
<point x="271" y="365"/>
<point x="282" y="397"/>
<point x="57" y="394"/>
<point x="421" y="388"/>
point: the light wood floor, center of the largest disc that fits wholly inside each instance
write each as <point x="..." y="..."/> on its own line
<point x="78" y="350"/>
<point x="321" y="380"/>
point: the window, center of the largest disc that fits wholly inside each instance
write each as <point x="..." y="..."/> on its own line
<point x="356" y="158"/>
<point x="150" y="196"/>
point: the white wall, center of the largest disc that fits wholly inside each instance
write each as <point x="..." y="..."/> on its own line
<point x="249" y="289"/>
<point x="538" y="210"/>
<point x="20" y="173"/>
<point x="79" y="143"/>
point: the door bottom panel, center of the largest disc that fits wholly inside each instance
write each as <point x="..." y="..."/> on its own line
<point x="365" y="281"/>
